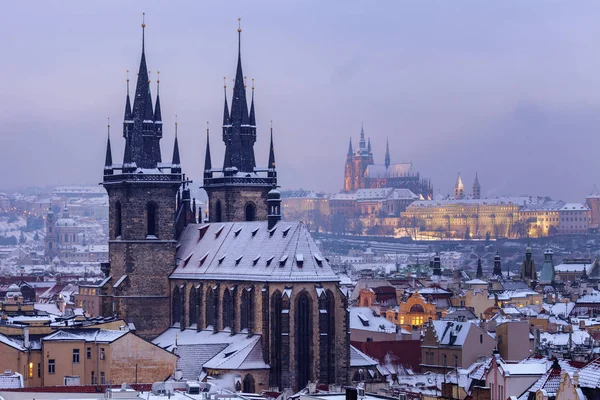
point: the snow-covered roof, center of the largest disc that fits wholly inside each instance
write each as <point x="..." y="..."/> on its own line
<point x="476" y="282"/>
<point x="574" y="267"/>
<point x="523" y="369"/>
<point x="11" y="342"/>
<point x="589" y="375"/>
<point x="574" y="207"/>
<point x="580" y="337"/>
<point x="451" y="333"/>
<point x="220" y="350"/>
<point x="362" y="318"/>
<point x="251" y="251"/>
<point x="87" y="335"/>
<point x="360" y="359"/>
<point x="393" y="171"/>
<point x="11" y="380"/>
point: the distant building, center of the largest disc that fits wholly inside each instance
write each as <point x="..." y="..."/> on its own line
<point x="361" y="172"/>
<point x="575" y="218"/>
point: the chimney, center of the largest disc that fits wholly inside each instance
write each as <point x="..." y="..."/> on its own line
<point x="581" y="324"/>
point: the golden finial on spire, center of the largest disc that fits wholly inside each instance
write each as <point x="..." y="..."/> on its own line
<point x="143" y="20"/>
<point x="239" y="25"/>
<point x="176" y="123"/>
<point x="127" y="72"/>
<point x="244" y="82"/>
<point x="149" y="76"/>
<point x="271" y="125"/>
<point x="252" y="83"/>
<point x="207" y="126"/>
<point x="108" y="127"/>
<point x="157" y="76"/>
<point x="224" y="82"/>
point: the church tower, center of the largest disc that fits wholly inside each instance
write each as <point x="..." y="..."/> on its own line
<point x="476" y="188"/>
<point x="142" y="208"/>
<point x="349" y="169"/>
<point x="239" y="190"/>
<point x="459" y="189"/>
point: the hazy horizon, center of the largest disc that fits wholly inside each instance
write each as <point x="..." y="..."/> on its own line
<point x="505" y="89"/>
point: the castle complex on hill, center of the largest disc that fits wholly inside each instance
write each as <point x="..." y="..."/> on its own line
<point x="361" y="172"/>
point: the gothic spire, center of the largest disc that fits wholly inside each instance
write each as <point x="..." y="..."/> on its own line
<point x="271" y="150"/>
<point x="252" y="117"/>
<point x="207" y="161"/>
<point x="157" y="113"/>
<point x="369" y="145"/>
<point x="361" y="143"/>
<point x="108" y="160"/>
<point x="271" y="166"/>
<point x="387" y="153"/>
<point x="226" y="121"/>
<point x="142" y="104"/>
<point x="128" y="116"/>
<point x="239" y="104"/>
<point x="176" y="159"/>
<point x="350" y="152"/>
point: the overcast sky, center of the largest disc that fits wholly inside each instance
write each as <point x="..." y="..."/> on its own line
<point x="506" y="88"/>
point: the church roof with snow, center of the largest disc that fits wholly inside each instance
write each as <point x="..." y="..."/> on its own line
<point x="393" y="171"/>
<point x="249" y="251"/>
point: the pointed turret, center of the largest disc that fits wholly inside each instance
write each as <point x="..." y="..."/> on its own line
<point x="476" y="188"/>
<point x="387" y="154"/>
<point x="362" y="142"/>
<point x="252" y="116"/>
<point x="128" y="117"/>
<point x="176" y="163"/>
<point x="207" y="160"/>
<point x="369" y="145"/>
<point x="350" y="151"/>
<point x="157" y="113"/>
<point x="459" y="189"/>
<point x="271" y="165"/>
<point x="108" y="160"/>
<point x="226" y="121"/>
<point x="479" y="273"/>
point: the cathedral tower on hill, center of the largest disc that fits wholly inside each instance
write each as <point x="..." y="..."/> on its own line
<point x="142" y="195"/>
<point x="361" y="172"/>
<point x="238" y="191"/>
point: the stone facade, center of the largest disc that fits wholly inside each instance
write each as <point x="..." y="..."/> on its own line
<point x="144" y="260"/>
<point x="328" y="345"/>
<point x="237" y="203"/>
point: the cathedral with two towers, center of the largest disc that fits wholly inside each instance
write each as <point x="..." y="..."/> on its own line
<point x="244" y="293"/>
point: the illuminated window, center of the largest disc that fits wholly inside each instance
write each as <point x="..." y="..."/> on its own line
<point x="31" y="370"/>
<point x="402" y="320"/>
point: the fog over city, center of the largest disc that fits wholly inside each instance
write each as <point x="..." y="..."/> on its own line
<point x="508" y="89"/>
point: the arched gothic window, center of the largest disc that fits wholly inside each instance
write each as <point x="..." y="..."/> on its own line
<point x="151" y="219"/>
<point x="303" y="339"/>
<point x="331" y="336"/>
<point x="248" y="385"/>
<point x="250" y="211"/>
<point x="117" y="219"/>
<point x="177" y="306"/>
<point x="193" y="307"/>
<point x="247" y="310"/>
<point x="276" y="362"/>
<point x="210" y="305"/>
<point x="227" y="310"/>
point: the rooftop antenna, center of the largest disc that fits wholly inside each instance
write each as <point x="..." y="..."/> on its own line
<point x="176" y="123"/>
